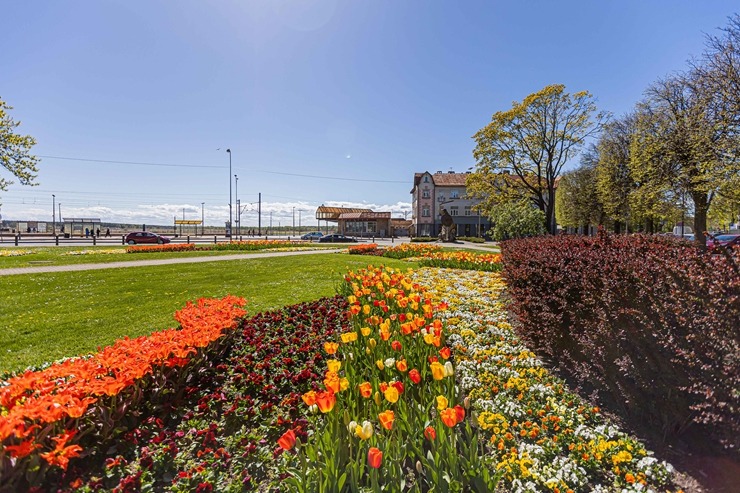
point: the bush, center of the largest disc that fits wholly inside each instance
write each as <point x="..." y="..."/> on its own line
<point x="647" y="323"/>
<point x="471" y="239"/>
<point x="423" y="239"/>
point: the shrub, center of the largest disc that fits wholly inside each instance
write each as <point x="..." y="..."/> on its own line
<point x="647" y="323"/>
<point x="423" y="239"/>
<point x="471" y="239"/>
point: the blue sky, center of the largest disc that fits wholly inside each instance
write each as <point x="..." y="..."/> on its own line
<point x="321" y="102"/>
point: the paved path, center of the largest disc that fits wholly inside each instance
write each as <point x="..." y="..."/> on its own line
<point x="145" y="263"/>
<point x="193" y="260"/>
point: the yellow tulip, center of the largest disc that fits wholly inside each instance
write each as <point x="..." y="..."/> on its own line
<point x="441" y="402"/>
<point x="334" y="365"/>
<point x="438" y="371"/>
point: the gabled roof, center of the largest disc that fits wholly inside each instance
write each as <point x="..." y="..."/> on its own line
<point x="333" y="213"/>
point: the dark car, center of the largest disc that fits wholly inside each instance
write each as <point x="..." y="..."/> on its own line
<point x="723" y="240"/>
<point x="143" y="237"/>
<point x="335" y="238"/>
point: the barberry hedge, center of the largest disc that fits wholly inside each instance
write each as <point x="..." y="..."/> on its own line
<point x="647" y="324"/>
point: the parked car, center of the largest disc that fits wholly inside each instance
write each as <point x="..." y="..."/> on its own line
<point x="724" y="240"/>
<point x="143" y="237"/>
<point x="313" y="235"/>
<point x="336" y="238"/>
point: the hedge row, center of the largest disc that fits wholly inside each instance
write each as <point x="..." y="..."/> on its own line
<point x="647" y="324"/>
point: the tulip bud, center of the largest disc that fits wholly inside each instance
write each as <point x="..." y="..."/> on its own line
<point x="367" y="350"/>
<point x="352" y="426"/>
<point x="376" y="398"/>
<point x="466" y="402"/>
<point x="313" y="408"/>
<point x="346" y="418"/>
<point x="372" y="343"/>
<point x="448" y="369"/>
<point x="418" y="467"/>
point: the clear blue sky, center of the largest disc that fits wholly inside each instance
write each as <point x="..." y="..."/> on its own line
<point x="333" y="102"/>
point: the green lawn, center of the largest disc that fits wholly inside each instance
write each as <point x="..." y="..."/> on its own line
<point x="43" y="256"/>
<point x="45" y="317"/>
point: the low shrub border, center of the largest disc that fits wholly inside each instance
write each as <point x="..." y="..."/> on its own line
<point x="647" y="322"/>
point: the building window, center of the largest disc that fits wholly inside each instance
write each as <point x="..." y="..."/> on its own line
<point x="467" y="210"/>
<point x="453" y="210"/>
<point x="426" y="179"/>
<point x="454" y="194"/>
<point x="441" y="198"/>
<point x="425" y="212"/>
<point x="425" y="194"/>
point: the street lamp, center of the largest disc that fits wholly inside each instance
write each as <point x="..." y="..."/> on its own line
<point x="53" y="215"/>
<point x="202" y="219"/>
<point x="238" y="205"/>
<point x="293" y="221"/>
<point x="230" y="214"/>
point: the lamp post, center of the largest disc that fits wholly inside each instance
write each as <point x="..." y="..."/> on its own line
<point x="53" y="215"/>
<point x="230" y="214"/>
<point x="202" y="219"/>
<point x="293" y="221"/>
<point x="238" y="205"/>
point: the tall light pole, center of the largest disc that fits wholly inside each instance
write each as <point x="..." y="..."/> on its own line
<point x="202" y="218"/>
<point x="230" y="214"/>
<point x="293" y="221"/>
<point x="53" y="215"/>
<point x="238" y="205"/>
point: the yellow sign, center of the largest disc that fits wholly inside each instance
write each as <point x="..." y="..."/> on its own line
<point x="187" y="221"/>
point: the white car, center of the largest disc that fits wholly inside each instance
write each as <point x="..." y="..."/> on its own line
<point x="313" y="235"/>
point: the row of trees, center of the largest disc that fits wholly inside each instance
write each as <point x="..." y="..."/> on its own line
<point x="677" y="151"/>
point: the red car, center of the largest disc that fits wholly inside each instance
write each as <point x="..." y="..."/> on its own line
<point x="729" y="241"/>
<point x="145" y="237"/>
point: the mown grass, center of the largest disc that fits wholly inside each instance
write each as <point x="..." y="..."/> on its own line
<point x="45" y="317"/>
<point x="45" y="256"/>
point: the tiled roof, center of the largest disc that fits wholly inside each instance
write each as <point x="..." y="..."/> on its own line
<point x="449" y="179"/>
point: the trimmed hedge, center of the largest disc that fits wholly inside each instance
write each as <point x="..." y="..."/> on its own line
<point x="646" y="323"/>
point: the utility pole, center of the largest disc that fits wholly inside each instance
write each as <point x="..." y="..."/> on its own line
<point x="53" y="216"/>
<point x="259" y="214"/>
<point x="293" y="221"/>
<point x="238" y="206"/>
<point x="230" y="214"/>
<point x="202" y="219"/>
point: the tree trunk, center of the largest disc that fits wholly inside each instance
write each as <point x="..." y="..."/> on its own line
<point x="551" y="224"/>
<point x="700" y="218"/>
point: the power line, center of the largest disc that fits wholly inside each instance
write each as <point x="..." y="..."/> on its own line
<point x="172" y="165"/>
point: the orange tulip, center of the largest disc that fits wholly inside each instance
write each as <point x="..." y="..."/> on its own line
<point x="386" y="419"/>
<point x="287" y="441"/>
<point x="449" y="417"/>
<point x="445" y="352"/>
<point x="325" y="401"/>
<point x="309" y="398"/>
<point x="401" y="365"/>
<point x="331" y="347"/>
<point x="366" y="389"/>
<point x="374" y="457"/>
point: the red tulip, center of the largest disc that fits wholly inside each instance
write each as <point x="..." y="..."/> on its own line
<point x="415" y="376"/>
<point x="430" y="433"/>
<point x="287" y="441"/>
<point x="374" y="457"/>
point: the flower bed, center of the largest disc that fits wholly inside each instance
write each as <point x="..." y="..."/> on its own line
<point x="15" y="253"/>
<point x="102" y="251"/>
<point x="407" y="250"/>
<point x="50" y="416"/>
<point x="462" y="260"/>
<point x="542" y="437"/>
<point x="390" y="415"/>
<point x="250" y="246"/>
<point x="365" y="249"/>
<point x="223" y="438"/>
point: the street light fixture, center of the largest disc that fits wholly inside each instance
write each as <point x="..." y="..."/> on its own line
<point x="230" y="214"/>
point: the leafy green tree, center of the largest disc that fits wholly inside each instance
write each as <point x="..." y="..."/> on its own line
<point x="614" y="181"/>
<point x="686" y="143"/>
<point x="14" y="150"/>
<point x="531" y="142"/>
<point x="517" y="219"/>
<point x="576" y="202"/>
